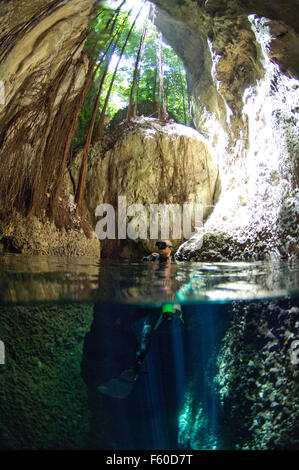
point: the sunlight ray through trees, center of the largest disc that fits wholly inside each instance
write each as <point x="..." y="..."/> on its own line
<point x="150" y="74"/>
<point x="131" y="64"/>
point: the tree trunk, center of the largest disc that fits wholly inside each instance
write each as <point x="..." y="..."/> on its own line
<point x="165" y="91"/>
<point x="75" y="115"/>
<point x="138" y="59"/>
<point x="82" y="175"/>
<point x="183" y="95"/>
<point x="154" y="88"/>
<point x="161" y="95"/>
<point x="102" y="116"/>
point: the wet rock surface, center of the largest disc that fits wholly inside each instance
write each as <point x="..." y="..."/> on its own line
<point x="19" y="234"/>
<point x="44" y="400"/>
<point x="258" y="378"/>
<point x="149" y="162"/>
<point x="236" y="91"/>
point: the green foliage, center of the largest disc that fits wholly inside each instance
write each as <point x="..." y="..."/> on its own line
<point x="175" y="78"/>
<point x="85" y="116"/>
<point x="175" y="85"/>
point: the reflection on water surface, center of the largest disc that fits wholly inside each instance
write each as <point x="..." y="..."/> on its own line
<point x="33" y="278"/>
<point x="220" y="374"/>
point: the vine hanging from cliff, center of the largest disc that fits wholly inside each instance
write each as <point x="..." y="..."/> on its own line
<point x="82" y="175"/>
<point x="136" y="70"/>
<point x="23" y="185"/>
<point x="47" y="124"/>
<point x="38" y="131"/>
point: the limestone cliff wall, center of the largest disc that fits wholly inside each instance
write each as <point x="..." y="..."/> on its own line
<point x="242" y="63"/>
<point x="149" y="162"/>
<point x="42" y="71"/>
<point x="236" y="63"/>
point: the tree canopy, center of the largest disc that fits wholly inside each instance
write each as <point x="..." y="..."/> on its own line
<point x="112" y="27"/>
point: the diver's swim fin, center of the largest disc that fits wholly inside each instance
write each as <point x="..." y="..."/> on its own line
<point x="121" y="386"/>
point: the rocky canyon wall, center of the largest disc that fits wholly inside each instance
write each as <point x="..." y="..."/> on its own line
<point x="43" y="71"/>
<point x="242" y="67"/>
<point x="150" y="163"/>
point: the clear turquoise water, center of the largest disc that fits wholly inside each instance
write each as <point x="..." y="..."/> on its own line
<point x="49" y="278"/>
<point x="71" y="326"/>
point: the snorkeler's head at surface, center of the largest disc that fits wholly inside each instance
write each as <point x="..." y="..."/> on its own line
<point x="164" y="248"/>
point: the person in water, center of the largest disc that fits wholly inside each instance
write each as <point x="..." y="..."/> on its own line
<point x="165" y="252"/>
<point x="121" y="386"/>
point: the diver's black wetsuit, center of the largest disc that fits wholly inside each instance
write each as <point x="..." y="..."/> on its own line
<point x="152" y="321"/>
<point x="116" y="329"/>
<point x="157" y="257"/>
<point x="150" y="325"/>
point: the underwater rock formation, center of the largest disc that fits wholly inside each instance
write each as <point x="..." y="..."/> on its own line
<point x="44" y="400"/>
<point x="149" y="162"/>
<point x="258" y="375"/>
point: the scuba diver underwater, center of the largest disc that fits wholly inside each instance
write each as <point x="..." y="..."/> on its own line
<point x="122" y="385"/>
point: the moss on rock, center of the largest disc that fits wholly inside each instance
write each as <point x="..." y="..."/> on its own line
<point x="44" y="400"/>
<point x="258" y="379"/>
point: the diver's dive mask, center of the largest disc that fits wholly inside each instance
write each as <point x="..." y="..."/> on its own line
<point x="170" y="311"/>
<point x="162" y="245"/>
